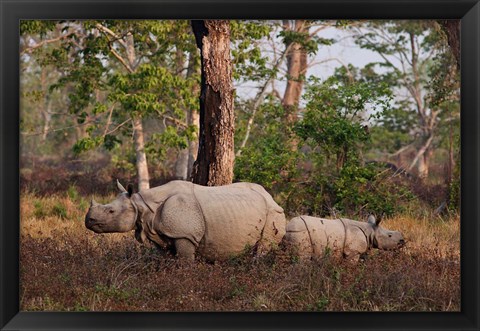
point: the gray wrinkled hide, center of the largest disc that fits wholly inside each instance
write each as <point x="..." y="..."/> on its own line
<point x="312" y="237"/>
<point x="215" y="222"/>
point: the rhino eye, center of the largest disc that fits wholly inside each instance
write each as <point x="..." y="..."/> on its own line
<point x="111" y="211"/>
<point x="390" y="236"/>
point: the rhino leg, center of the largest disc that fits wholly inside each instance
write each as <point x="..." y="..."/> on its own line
<point x="273" y="232"/>
<point x="181" y="218"/>
<point x="185" y="249"/>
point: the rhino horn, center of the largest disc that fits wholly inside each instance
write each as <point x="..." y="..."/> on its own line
<point x="120" y="187"/>
<point x="93" y="203"/>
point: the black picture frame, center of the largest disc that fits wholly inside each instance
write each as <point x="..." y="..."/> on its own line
<point x="12" y="11"/>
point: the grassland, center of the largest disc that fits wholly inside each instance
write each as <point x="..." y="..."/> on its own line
<point x="65" y="267"/>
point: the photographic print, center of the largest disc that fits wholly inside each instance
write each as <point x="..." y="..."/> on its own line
<point x="240" y="165"/>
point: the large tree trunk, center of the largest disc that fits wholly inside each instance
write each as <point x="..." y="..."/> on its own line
<point x="452" y="30"/>
<point x="214" y="164"/>
<point x="141" y="163"/>
<point x="296" y="70"/>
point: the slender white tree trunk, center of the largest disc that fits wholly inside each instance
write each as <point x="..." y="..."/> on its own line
<point x="181" y="165"/>
<point x="138" y="136"/>
<point x="45" y="105"/>
<point x="141" y="164"/>
<point x="193" y="116"/>
<point x="422" y="159"/>
<point x="193" y="119"/>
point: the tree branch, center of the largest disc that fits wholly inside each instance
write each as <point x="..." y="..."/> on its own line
<point x="109" y="119"/>
<point x="30" y="49"/>
<point x="259" y="98"/>
<point x="106" y="30"/>
<point x="121" y="59"/>
<point x="118" y="126"/>
<point x="421" y="151"/>
<point x="55" y="130"/>
<point x="173" y="119"/>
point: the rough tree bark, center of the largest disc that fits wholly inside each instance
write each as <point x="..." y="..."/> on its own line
<point x="452" y="30"/>
<point x="214" y="164"/>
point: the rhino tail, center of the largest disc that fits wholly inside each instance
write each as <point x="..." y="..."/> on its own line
<point x="271" y="204"/>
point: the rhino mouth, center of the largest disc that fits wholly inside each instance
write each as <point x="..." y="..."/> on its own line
<point x="94" y="225"/>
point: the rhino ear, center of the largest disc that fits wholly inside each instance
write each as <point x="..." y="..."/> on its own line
<point x="120" y="187"/>
<point x="371" y="220"/>
<point x="129" y="190"/>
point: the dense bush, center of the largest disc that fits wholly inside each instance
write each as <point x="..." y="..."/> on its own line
<point x="319" y="162"/>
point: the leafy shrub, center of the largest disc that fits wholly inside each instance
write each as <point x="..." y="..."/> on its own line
<point x="60" y="210"/>
<point x="39" y="211"/>
<point x="72" y="193"/>
<point x="355" y="190"/>
<point x="268" y="158"/>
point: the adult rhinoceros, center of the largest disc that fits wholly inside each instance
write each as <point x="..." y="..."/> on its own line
<point x="312" y="236"/>
<point x="214" y="222"/>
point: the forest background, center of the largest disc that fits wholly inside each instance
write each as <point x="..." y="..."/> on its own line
<point x="333" y="118"/>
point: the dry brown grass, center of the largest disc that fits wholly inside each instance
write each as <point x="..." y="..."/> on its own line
<point x="65" y="267"/>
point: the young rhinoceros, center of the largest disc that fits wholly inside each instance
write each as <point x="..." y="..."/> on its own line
<point x="214" y="222"/>
<point x="312" y="236"/>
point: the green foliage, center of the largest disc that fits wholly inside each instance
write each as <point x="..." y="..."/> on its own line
<point x="308" y="42"/>
<point x="454" y="189"/>
<point x="268" y="159"/>
<point x="332" y="136"/>
<point x="320" y="305"/>
<point x="392" y="130"/>
<point x="72" y="193"/>
<point x="60" y="210"/>
<point x="36" y="27"/>
<point x="39" y="211"/>
<point x="161" y="143"/>
<point x="105" y="87"/>
<point x="249" y="62"/>
<point x="86" y="144"/>
<point x="356" y="115"/>
<point x="335" y="128"/>
<point x="151" y="90"/>
<point x="419" y="67"/>
<point x="335" y="115"/>
<point x="269" y="162"/>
